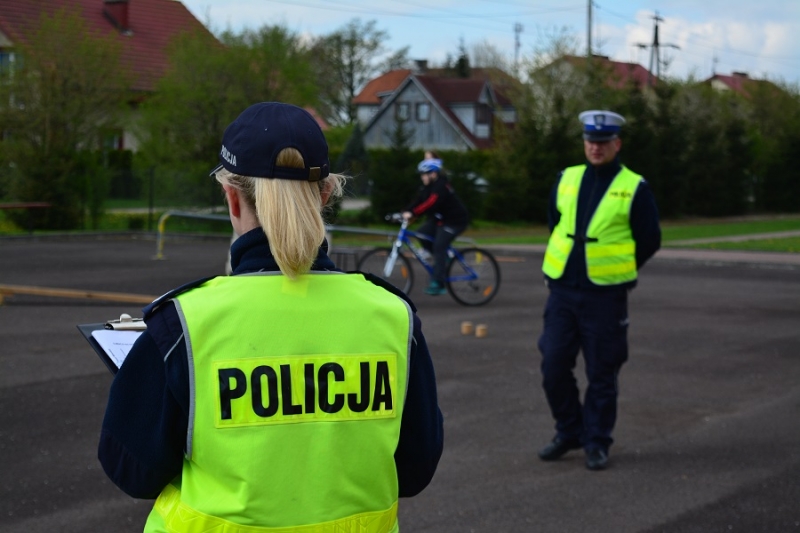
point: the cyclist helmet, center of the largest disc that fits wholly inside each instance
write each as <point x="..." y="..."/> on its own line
<point x="429" y="165"/>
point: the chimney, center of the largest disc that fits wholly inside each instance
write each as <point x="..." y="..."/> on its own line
<point x="117" y="12"/>
<point x="420" y="66"/>
<point x="740" y="75"/>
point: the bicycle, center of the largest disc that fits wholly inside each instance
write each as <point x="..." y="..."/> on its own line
<point x="473" y="277"/>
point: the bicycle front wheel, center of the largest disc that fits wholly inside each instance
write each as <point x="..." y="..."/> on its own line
<point x="473" y="277"/>
<point x="401" y="275"/>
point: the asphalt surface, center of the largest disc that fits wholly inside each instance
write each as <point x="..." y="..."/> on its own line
<point x="707" y="438"/>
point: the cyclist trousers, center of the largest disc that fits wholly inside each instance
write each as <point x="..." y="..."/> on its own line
<point x="442" y="236"/>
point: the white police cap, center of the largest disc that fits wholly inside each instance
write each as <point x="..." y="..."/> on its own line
<point x="601" y="126"/>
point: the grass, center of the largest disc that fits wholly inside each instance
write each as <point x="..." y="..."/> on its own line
<point x="483" y="232"/>
<point x="707" y="228"/>
<point x="787" y="245"/>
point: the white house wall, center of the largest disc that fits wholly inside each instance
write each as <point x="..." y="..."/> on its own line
<point x="437" y="133"/>
<point x="5" y="42"/>
<point x="466" y="114"/>
<point x="364" y="113"/>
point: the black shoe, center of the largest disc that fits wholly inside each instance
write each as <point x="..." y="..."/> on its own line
<point x="596" y="459"/>
<point x="557" y="448"/>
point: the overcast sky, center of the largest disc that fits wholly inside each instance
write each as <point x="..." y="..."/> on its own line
<point x="761" y="38"/>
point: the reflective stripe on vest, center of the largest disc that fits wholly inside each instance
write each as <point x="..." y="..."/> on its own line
<point x="178" y="517"/>
<point x="295" y="413"/>
<point x="611" y="259"/>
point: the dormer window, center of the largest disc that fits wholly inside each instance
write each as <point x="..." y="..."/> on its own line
<point x="483" y="121"/>
<point x="116" y="11"/>
<point x="483" y="114"/>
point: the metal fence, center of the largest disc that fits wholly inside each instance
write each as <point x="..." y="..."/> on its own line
<point x="343" y="258"/>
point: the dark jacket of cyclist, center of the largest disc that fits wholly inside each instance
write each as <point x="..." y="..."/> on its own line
<point x="436" y="198"/>
<point x="447" y="218"/>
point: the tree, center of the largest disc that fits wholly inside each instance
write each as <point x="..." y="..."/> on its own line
<point x="354" y="161"/>
<point x="346" y="60"/>
<point x="67" y="94"/>
<point x="486" y="54"/>
<point x="208" y="84"/>
<point x="392" y="174"/>
<point x="775" y="123"/>
<point x="462" y="66"/>
<point x="544" y="141"/>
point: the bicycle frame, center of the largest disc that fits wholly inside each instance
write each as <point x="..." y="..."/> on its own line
<point x="404" y="237"/>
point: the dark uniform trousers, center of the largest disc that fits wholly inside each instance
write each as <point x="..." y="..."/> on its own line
<point x="597" y="323"/>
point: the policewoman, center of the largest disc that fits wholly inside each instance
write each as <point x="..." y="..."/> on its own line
<point x="289" y="396"/>
<point x="604" y="226"/>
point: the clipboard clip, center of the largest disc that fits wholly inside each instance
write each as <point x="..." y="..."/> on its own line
<point x="125" y="322"/>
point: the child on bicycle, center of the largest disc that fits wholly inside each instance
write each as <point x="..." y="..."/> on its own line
<point x="446" y="218"/>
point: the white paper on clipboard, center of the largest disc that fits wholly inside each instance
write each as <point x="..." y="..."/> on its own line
<point x="116" y="343"/>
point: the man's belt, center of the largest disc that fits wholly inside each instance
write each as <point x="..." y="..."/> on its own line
<point x="578" y="238"/>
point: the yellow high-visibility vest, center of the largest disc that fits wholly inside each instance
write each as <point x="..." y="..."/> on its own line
<point x="297" y="393"/>
<point x="610" y="248"/>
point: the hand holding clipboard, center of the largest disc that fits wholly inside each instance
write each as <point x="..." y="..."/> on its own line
<point x="113" y="340"/>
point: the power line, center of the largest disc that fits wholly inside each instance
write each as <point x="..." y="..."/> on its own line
<point x="623" y="17"/>
<point x="741" y="52"/>
<point x="372" y="12"/>
<point x="447" y="13"/>
<point x="695" y="38"/>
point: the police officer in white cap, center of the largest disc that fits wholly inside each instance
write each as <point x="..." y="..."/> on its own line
<point x="604" y="226"/>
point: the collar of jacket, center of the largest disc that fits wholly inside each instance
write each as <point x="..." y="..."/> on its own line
<point x="251" y="253"/>
<point x="607" y="171"/>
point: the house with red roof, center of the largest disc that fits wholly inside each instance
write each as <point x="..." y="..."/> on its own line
<point x="618" y="74"/>
<point x="144" y="28"/>
<point x="740" y="83"/>
<point x="439" y="110"/>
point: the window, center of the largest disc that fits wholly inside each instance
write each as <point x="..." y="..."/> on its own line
<point x="483" y="121"/>
<point x="423" y="112"/>
<point x="483" y="114"/>
<point x="401" y="111"/>
<point x="6" y="62"/>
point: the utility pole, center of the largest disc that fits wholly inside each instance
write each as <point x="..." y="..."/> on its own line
<point x="589" y="30"/>
<point x="655" y="51"/>
<point x="517" y="31"/>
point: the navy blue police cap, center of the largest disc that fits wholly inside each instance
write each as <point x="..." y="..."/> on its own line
<point x="252" y="142"/>
<point x="601" y="126"/>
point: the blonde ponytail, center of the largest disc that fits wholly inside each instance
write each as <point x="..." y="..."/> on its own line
<point x="289" y="211"/>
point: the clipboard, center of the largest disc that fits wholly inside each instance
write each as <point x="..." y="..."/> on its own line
<point x="112" y="344"/>
<point x="126" y="323"/>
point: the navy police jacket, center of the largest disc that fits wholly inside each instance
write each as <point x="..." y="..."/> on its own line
<point x="147" y="417"/>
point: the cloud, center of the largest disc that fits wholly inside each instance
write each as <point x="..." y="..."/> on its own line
<point x="761" y="37"/>
<point x="723" y="45"/>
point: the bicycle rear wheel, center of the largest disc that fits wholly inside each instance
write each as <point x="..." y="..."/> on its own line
<point x="473" y="277"/>
<point x="401" y="276"/>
